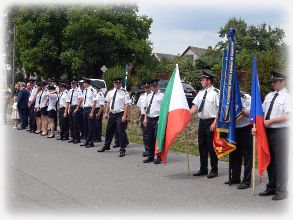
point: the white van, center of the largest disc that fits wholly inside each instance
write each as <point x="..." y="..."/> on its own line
<point x="100" y="83"/>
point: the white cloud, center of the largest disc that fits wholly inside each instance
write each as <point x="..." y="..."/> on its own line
<point x="176" y="40"/>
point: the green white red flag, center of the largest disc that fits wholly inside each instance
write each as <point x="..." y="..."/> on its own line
<point x="174" y="115"/>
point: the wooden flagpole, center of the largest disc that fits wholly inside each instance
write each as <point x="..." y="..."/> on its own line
<point x="187" y="157"/>
<point x="253" y="162"/>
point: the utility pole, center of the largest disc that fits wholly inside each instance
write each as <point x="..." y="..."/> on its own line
<point x="13" y="55"/>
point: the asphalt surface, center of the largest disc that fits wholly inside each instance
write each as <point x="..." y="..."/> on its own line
<point x="50" y="176"/>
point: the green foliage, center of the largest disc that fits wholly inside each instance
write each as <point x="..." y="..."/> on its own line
<point x="112" y="73"/>
<point x="78" y="40"/>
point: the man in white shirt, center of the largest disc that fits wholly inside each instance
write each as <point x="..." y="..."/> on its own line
<point x="72" y="111"/>
<point x="89" y="116"/>
<point x="141" y="112"/>
<point x="117" y="109"/>
<point x="206" y="105"/>
<point x="63" y="121"/>
<point x="100" y="102"/>
<point x="243" y="150"/>
<point x="152" y="106"/>
<point x="276" y="108"/>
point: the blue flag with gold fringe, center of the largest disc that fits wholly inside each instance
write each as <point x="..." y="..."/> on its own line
<point x="230" y="106"/>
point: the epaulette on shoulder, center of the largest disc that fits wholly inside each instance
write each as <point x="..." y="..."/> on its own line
<point x="217" y="90"/>
<point x="123" y="89"/>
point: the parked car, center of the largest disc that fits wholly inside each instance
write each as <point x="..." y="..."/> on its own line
<point x="189" y="91"/>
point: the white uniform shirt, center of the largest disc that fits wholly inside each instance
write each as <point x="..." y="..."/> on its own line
<point x="100" y="99"/>
<point x="38" y="100"/>
<point x="89" y="94"/>
<point x="33" y="93"/>
<point x="246" y="103"/>
<point x="156" y="104"/>
<point x="75" y="94"/>
<point x="44" y="98"/>
<point x="62" y="98"/>
<point x="53" y="99"/>
<point x="141" y="103"/>
<point x="211" y="104"/>
<point x="122" y="98"/>
<point x="280" y="107"/>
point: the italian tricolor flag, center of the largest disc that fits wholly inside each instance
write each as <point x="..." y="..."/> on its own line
<point x="174" y="115"/>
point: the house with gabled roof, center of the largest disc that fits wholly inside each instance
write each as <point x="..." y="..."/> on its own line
<point x="193" y="52"/>
<point x="160" y="56"/>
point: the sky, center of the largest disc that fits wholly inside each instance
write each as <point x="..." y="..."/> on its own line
<point x="179" y="25"/>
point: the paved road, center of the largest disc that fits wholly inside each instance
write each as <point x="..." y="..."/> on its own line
<point x="50" y="176"/>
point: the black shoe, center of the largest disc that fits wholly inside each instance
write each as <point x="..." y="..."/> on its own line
<point x="157" y="160"/>
<point x="76" y="142"/>
<point x="70" y="141"/>
<point x="28" y="130"/>
<point x="148" y="160"/>
<point x="103" y="149"/>
<point x="65" y="139"/>
<point x="200" y="173"/>
<point x="89" y="145"/>
<point x="59" y="139"/>
<point x="115" y="146"/>
<point x="84" y="144"/>
<point x="144" y="154"/>
<point x="122" y="154"/>
<point x="232" y="182"/>
<point x="279" y="196"/>
<point x="243" y="186"/>
<point x="212" y="174"/>
<point x="20" y="128"/>
<point x="267" y="192"/>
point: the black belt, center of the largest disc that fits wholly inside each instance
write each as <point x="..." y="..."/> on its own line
<point x="86" y="108"/>
<point x="277" y="129"/>
<point x="61" y="107"/>
<point x="153" y="118"/>
<point x="115" y="113"/>
<point x="244" y="127"/>
<point x="208" y="119"/>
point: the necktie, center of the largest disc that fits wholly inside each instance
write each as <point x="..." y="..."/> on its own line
<point x="271" y="107"/>
<point x="150" y="105"/>
<point x="113" y="101"/>
<point x="71" y="96"/>
<point x="40" y="98"/>
<point x="85" y="96"/>
<point x="203" y="101"/>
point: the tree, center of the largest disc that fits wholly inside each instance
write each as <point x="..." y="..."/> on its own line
<point x="39" y="40"/>
<point x="104" y="35"/>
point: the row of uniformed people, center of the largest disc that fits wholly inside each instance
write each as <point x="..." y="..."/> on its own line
<point x="47" y="100"/>
<point x="276" y="111"/>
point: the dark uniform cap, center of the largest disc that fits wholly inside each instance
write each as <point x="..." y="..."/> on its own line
<point x="60" y="84"/>
<point x="52" y="80"/>
<point x="42" y="83"/>
<point x="74" y="80"/>
<point x="207" y="74"/>
<point x="278" y="76"/>
<point x="154" y="82"/>
<point x="51" y="87"/>
<point x="117" y="80"/>
<point x="86" y="80"/>
<point x="145" y="84"/>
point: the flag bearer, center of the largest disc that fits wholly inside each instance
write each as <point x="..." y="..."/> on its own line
<point x="117" y="110"/>
<point x="276" y="111"/>
<point x="151" y="118"/>
<point x="206" y="105"/>
<point x="243" y="147"/>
